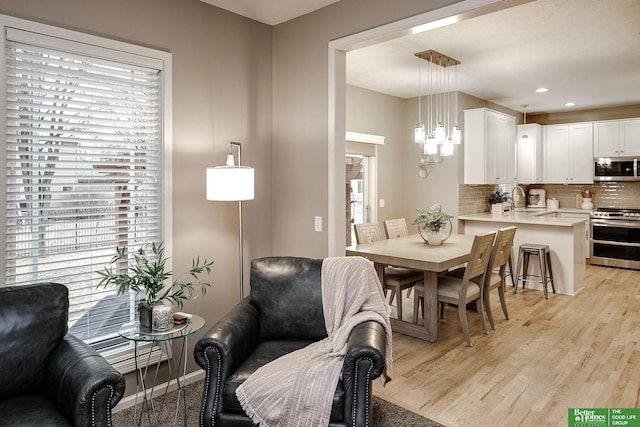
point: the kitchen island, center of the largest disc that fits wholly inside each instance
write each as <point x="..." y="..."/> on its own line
<point x="566" y="236"/>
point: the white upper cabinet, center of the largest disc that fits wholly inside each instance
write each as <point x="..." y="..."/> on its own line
<point x="616" y="138"/>
<point x="568" y="153"/>
<point x="606" y="139"/>
<point x="529" y="153"/>
<point x="630" y="136"/>
<point x="489" y="147"/>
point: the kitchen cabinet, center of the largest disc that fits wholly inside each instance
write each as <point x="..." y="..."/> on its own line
<point x="489" y="147"/>
<point x="529" y="153"/>
<point x="568" y="153"/>
<point x="616" y="138"/>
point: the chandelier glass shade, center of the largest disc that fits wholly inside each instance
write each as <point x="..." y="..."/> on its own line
<point x="440" y="134"/>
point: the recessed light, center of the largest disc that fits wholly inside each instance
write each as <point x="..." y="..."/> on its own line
<point x="542" y="90"/>
<point x="570" y="104"/>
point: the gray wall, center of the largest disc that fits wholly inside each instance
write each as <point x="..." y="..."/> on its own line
<point x="379" y="114"/>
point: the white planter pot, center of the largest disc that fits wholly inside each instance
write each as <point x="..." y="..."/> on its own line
<point x="496" y="209"/>
<point x="434" y="238"/>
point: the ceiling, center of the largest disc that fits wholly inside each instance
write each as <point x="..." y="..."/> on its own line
<point x="583" y="51"/>
<point x="271" y="12"/>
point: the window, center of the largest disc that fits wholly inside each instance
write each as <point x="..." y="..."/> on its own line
<point x="86" y="168"/>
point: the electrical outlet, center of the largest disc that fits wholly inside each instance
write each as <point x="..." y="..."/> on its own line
<point x="318" y="224"/>
<point x="381" y="203"/>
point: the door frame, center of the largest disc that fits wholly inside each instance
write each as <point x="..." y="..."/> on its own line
<point x="337" y="52"/>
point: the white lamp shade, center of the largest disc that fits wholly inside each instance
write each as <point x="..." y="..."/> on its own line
<point x="230" y="183"/>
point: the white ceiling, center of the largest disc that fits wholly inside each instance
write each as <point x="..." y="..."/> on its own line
<point x="271" y="12"/>
<point x="583" y="51"/>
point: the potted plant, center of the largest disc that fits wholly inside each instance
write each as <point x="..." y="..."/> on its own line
<point x="147" y="274"/>
<point x="497" y="200"/>
<point x="433" y="221"/>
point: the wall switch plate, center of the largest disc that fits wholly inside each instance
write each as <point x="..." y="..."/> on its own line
<point x="318" y="224"/>
<point x="381" y="203"/>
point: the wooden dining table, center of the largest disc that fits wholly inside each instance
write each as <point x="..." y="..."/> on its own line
<point x="412" y="252"/>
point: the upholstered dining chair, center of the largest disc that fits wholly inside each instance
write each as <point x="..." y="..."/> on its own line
<point x="495" y="277"/>
<point x="396" y="279"/>
<point x="461" y="291"/>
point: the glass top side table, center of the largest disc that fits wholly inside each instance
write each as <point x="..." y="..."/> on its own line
<point x="135" y="332"/>
<point x="161" y="339"/>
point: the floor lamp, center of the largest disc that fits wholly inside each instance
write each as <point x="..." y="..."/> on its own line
<point x="232" y="183"/>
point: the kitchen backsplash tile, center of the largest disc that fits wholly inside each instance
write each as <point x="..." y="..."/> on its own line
<point x="605" y="194"/>
<point x="474" y="198"/>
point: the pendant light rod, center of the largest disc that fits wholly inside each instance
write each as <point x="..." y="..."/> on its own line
<point x="524" y="134"/>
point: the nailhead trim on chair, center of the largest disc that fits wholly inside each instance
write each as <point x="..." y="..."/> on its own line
<point x="355" y="389"/>
<point x="93" y="406"/>
<point x="208" y="372"/>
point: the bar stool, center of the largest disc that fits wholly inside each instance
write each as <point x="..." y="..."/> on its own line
<point x="544" y="257"/>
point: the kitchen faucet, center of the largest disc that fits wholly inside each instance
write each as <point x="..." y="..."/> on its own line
<point x="513" y="199"/>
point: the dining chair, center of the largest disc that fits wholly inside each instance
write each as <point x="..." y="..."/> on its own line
<point x="495" y="277"/>
<point x="500" y="256"/>
<point x="396" y="279"/>
<point x="394" y="228"/>
<point x="461" y="291"/>
<point x="367" y="233"/>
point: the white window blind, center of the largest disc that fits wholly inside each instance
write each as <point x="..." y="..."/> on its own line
<point x="83" y="166"/>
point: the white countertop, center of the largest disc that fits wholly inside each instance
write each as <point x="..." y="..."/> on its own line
<point x="563" y="217"/>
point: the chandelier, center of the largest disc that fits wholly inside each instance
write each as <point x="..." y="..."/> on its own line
<point x="441" y="133"/>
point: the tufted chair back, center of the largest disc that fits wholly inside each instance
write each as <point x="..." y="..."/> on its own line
<point x="288" y="295"/>
<point x="34" y="321"/>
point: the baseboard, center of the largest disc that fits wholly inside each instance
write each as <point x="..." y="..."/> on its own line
<point x="129" y="401"/>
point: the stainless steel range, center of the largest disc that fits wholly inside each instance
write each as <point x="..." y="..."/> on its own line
<point x="615" y="237"/>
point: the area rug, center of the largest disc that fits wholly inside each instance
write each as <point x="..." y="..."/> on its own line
<point x="384" y="414"/>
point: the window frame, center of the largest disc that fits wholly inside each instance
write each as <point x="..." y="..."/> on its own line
<point x="98" y="46"/>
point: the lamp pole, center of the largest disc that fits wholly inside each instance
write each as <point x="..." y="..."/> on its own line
<point x="241" y="246"/>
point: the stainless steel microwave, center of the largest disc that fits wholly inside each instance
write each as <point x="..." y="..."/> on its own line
<point x="616" y="169"/>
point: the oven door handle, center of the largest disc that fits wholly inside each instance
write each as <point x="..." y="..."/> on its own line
<point x="615" y="223"/>
<point x="615" y="243"/>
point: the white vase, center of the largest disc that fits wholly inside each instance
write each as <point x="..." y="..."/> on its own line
<point x="586" y="204"/>
<point x="434" y="238"/>
<point x="496" y="209"/>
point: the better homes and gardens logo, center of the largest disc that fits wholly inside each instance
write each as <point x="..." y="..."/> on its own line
<point x="604" y="417"/>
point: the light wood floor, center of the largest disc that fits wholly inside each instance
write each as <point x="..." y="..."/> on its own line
<point x="564" y="352"/>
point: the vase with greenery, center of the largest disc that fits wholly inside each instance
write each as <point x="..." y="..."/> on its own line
<point x="147" y="274"/>
<point x="496" y="200"/>
<point x="432" y="221"/>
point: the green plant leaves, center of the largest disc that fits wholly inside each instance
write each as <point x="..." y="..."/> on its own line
<point x="146" y="273"/>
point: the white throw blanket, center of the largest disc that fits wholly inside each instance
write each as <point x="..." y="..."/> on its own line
<point x="297" y="389"/>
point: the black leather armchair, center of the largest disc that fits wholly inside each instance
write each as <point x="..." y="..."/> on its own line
<point x="48" y="377"/>
<point x="283" y="313"/>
